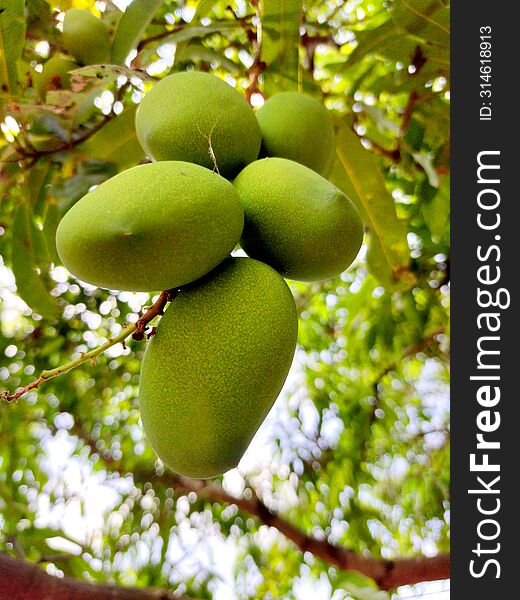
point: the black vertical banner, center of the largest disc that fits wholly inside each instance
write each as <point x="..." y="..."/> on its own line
<point x="485" y="261"/>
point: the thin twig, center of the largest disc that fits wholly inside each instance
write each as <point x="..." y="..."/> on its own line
<point x="136" y="330"/>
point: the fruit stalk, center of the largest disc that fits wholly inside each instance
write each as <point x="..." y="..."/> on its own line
<point x="137" y="330"/>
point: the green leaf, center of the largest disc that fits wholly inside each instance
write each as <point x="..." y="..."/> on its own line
<point x="372" y="40"/>
<point x="42" y="255"/>
<point x="436" y="211"/>
<point x="40" y="9"/>
<point x="189" y="33"/>
<point x="280" y="22"/>
<point x="24" y="265"/>
<point x="203" y="8"/>
<point x="12" y="38"/>
<point x="429" y="19"/>
<point x="50" y="225"/>
<point x="116" y="142"/>
<point x="358" y="174"/>
<point x="195" y="52"/>
<point x="131" y="27"/>
<point x="35" y="189"/>
<point x="398" y="39"/>
<point x="36" y="185"/>
<point x="101" y="75"/>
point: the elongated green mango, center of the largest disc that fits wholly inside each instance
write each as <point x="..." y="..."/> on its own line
<point x="297" y="221"/>
<point x="153" y="227"/>
<point x="86" y="37"/>
<point x="213" y="370"/>
<point x="298" y="127"/>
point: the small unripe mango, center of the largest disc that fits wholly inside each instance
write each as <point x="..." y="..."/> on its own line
<point x="55" y="74"/>
<point x="213" y="370"/>
<point x="198" y="118"/>
<point x="298" y="127"/>
<point x="85" y="37"/>
<point x="153" y="227"/>
<point x="297" y="221"/>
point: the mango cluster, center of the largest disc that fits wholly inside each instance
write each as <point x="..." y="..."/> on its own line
<point x="221" y="175"/>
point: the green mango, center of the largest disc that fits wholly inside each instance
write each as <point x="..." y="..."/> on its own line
<point x="213" y="370"/>
<point x="153" y="227"/>
<point x="55" y="74"/>
<point x="297" y="221"/>
<point x="298" y="127"/>
<point x="198" y="118"/>
<point x="85" y="37"/>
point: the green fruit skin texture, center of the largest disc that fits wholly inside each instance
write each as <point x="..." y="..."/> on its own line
<point x="85" y="37"/>
<point x="297" y="221"/>
<point x="297" y="127"/>
<point x="216" y="365"/>
<point x="55" y="74"/>
<point x="153" y="227"/>
<point x="178" y="116"/>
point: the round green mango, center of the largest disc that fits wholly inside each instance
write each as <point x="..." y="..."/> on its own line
<point x="298" y="127"/>
<point x="85" y="37"/>
<point x="55" y="74"/>
<point x="297" y="221"/>
<point x="198" y="118"/>
<point x="216" y="365"/>
<point x="153" y="227"/>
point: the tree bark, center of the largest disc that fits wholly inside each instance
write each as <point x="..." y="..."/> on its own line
<point x="20" y="580"/>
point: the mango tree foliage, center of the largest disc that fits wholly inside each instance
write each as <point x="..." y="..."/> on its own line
<point x="356" y="451"/>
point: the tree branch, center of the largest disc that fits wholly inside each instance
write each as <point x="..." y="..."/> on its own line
<point x="136" y="330"/>
<point x="388" y="574"/>
<point x="20" y="580"/>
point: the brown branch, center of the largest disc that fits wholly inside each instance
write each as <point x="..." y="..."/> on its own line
<point x="388" y="574"/>
<point x="408" y="111"/>
<point x="20" y="580"/>
<point x="257" y="67"/>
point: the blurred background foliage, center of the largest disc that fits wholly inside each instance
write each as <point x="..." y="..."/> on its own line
<point x="356" y="450"/>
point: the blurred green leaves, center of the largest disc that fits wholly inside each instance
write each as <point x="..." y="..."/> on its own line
<point x="279" y="43"/>
<point x="12" y="38"/>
